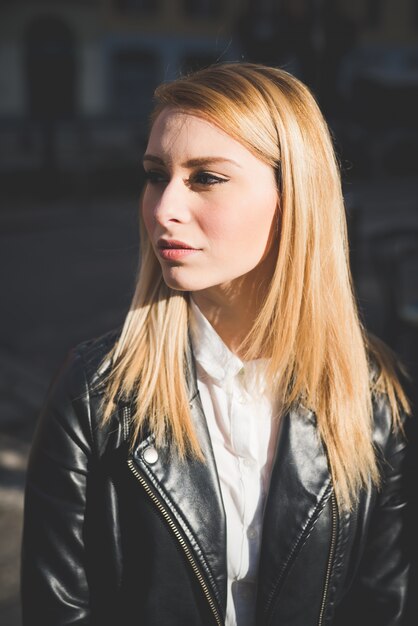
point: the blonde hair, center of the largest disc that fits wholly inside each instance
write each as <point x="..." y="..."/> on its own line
<point x="320" y="354"/>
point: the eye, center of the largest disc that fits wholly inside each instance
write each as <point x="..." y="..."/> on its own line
<point x="154" y="177"/>
<point x="206" y="178"/>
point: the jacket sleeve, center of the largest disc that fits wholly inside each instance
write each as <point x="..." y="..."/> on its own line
<point x="378" y="595"/>
<point x="54" y="585"/>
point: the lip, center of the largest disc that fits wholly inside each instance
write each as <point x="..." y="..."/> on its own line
<point x="173" y="249"/>
<point x="173" y="243"/>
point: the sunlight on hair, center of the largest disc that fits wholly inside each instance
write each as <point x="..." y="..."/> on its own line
<point x="320" y="355"/>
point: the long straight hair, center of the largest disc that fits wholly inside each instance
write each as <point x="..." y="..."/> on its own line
<point x="320" y="354"/>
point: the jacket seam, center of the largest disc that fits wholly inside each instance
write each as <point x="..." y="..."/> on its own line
<point x="88" y="402"/>
<point x="301" y="540"/>
<point x="338" y="568"/>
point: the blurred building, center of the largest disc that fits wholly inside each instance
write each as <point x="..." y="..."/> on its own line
<point x="77" y="76"/>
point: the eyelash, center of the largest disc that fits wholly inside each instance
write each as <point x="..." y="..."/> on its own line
<point x="154" y="178"/>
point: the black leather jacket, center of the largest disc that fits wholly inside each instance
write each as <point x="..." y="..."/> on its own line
<point x="117" y="538"/>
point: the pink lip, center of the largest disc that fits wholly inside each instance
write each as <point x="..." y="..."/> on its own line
<point x="172" y="249"/>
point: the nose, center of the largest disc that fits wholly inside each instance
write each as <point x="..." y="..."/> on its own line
<point x="170" y="203"/>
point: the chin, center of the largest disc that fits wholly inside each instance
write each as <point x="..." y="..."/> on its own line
<point x="184" y="283"/>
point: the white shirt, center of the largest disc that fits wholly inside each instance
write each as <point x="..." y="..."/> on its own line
<point x="242" y="419"/>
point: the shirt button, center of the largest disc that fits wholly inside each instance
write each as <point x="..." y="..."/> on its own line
<point x="249" y="462"/>
<point x="150" y="455"/>
<point x="251" y="533"/>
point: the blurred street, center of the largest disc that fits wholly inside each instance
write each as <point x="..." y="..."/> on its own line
<point x="67" y="272"/>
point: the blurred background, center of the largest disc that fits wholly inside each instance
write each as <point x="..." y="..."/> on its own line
<point x="76" y="84"/>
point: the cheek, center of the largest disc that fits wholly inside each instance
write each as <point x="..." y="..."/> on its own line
<point x="246" y="223"/>
<point x="147" y="212"/>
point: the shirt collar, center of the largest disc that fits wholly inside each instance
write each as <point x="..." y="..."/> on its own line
<point x="210" y="352"/>
<point x="216" y="361"/>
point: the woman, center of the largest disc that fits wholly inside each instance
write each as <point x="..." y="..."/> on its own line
<point x="234" y="454"/>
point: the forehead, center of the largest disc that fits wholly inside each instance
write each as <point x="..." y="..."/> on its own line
<point x="176" y="131"/>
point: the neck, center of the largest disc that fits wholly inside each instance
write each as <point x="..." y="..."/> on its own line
<point x="232" y="308"/>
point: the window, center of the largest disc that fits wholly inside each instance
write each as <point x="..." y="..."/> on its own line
<point x="134" y="77"/>
<point x="50" y="68"/>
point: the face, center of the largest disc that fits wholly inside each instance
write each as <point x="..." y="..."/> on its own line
<point x="209" y="205"/>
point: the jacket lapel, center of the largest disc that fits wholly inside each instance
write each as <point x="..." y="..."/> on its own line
<point x="190" y="490"/>
<point x="299" y="488"/>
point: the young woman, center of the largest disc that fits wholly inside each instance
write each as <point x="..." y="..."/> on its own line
<point x="232" y="455"/>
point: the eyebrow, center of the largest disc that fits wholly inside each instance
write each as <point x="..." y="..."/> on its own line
<point x="198" y="161"/>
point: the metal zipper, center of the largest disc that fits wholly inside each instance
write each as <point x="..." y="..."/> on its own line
<point x="330" y="559"/>
<point x="125" y="422"/>
<point x="273" y="593"/>
<point x="179" y="538"/>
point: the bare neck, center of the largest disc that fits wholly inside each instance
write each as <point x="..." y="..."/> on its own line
<point x="233" y="308"/>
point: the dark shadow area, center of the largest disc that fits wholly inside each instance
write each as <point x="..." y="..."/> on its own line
<point x="77" y="83"/>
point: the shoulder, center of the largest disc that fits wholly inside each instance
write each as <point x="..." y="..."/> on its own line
<point x="91" y="358"/>
<point x="391" y="411"/>
<point x="388" y="432"/>
<point x="67" y="417"/>
<point x="86" y="364"/>
<point x="69" y="399"/>
<point x="387" y="372"/>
